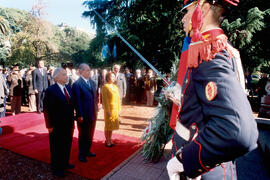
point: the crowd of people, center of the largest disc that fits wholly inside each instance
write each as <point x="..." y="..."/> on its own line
<point x="26" y="86"/>
<point x="66" y="94"/>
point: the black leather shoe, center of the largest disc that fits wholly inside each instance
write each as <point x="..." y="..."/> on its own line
<point x="59" y="173"/>
<point x="83" y="159"/>
<point x="91" y="154"/>
<point x="71" y="166"/>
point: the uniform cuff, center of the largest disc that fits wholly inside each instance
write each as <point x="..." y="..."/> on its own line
<point x="191" y="159"/>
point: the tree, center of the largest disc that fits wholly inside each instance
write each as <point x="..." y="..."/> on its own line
<point x="33" y="44"/>
<point x="38" y="10"/>
<point x="154" y="28"/>
<point x="6" y="29"/>
<point x="29" y="36"/>
<point x="139" y="22"/>
<point x="248" y="35"/>
<point x="74" y="45"/>
<point x="4" y="41"/>
<point x="34" y="39"/>
<point x="95" y="47"/>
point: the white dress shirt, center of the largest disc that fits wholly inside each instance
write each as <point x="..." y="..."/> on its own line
<point x="62" y="88"/>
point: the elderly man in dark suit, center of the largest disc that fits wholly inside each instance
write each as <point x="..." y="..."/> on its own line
<point x="40" y="84"/>
<point x="120" y="82"/>
<point x="59" y="118"/>
<point x="86" y="101"/>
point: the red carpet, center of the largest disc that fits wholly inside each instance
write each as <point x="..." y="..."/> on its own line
<point x="26" y="134"/>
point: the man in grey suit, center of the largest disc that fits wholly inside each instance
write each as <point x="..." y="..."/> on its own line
<point x="120" y="81"/>
<point x="86" y="106"/>
<point x="40" y="84"/>
<point x="3" y="93"/>
<point x="95" y="77"/>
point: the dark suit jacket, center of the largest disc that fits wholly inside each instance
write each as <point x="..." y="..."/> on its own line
<point x="85" y="99"/>
<point x="40" y="82"/>
<point x="58" y="112"/>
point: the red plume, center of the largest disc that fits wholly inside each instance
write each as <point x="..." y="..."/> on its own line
<point x="232" y="2"/>
<point x="197" y="21"/>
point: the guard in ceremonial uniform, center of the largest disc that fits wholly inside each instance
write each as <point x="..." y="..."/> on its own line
<point x="214" y="123"/>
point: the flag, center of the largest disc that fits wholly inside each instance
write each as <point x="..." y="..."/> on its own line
<point x="105" y="52"/>
<point x="183" y="66"/>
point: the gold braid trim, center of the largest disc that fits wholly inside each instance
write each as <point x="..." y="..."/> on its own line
<point x="206" y="50"/>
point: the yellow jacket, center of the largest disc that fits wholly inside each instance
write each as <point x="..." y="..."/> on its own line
<point x="111" y="105"/>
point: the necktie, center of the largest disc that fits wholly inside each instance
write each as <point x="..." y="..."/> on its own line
<point x="41" y="71"/>
<point x="89" y="85"/>
<point x="66" y="95"/>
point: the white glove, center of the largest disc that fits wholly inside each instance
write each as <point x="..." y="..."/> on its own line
<point x="174" y="168"/>
<point x="173" y="92"/>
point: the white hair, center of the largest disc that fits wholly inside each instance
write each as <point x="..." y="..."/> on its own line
<point x="57" y="71"/>
<point x="82" y="66"/>
<point x="117" y="65"/>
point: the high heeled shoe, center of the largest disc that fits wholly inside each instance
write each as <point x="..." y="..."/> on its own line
<point x="109" y="146"/>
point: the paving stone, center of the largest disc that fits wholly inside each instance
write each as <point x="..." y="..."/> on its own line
<point x="121" y="177"/>
<point x="138" y="171"/>
<point x="164" y="175"/>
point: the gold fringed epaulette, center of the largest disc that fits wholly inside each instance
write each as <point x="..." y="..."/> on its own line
<point x="206" y="50"/>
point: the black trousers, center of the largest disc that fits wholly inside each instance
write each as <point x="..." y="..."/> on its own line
<point x="86" y="133"/>
<point x="60" y="147"/>
<point x="139" y="94"/>
<point x="39" y="98"/>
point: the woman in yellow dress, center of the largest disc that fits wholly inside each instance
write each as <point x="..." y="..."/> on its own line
<point x="111" y="106"/>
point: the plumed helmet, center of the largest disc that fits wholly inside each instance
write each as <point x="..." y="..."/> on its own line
<point x="197" y="19"/>
<point x="224" y="3"/>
